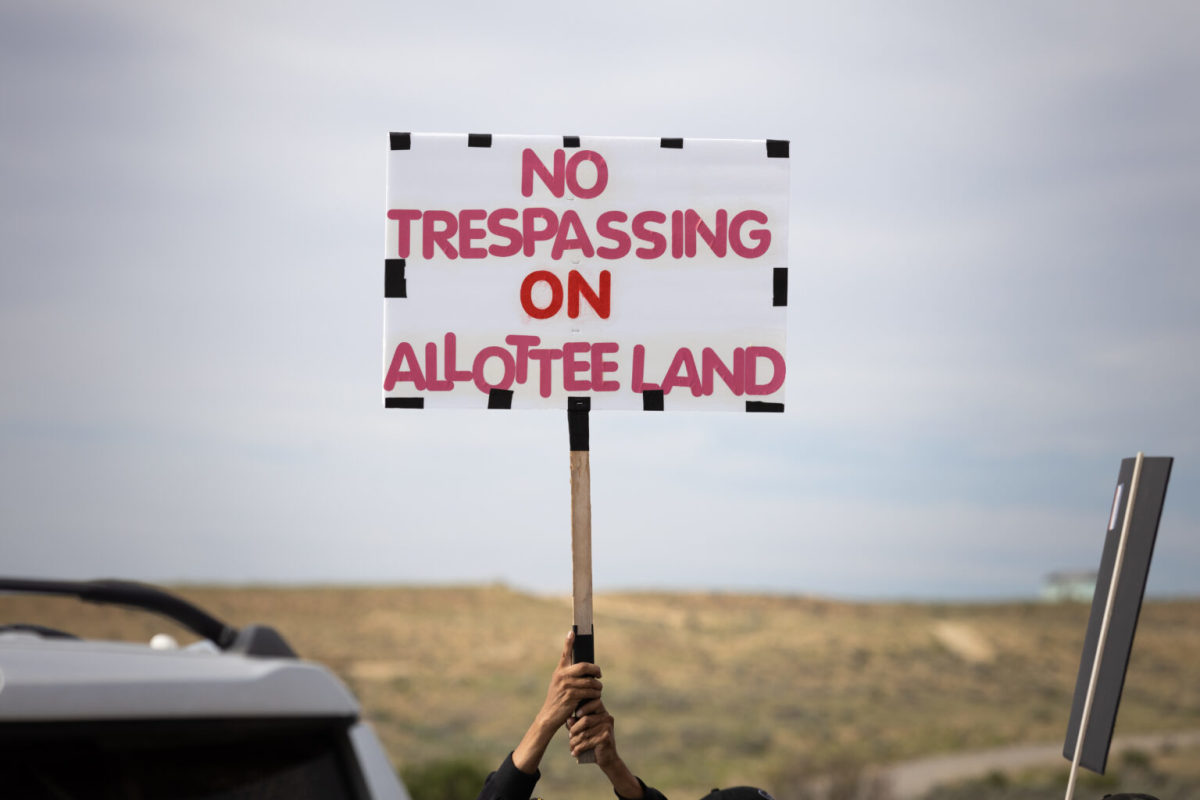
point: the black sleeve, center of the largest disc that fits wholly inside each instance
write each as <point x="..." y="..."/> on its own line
<point x="648" y="792"/>
<point x="509" y="783"/>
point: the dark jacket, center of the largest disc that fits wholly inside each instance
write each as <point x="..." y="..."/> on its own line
<point x="509" y="783"/>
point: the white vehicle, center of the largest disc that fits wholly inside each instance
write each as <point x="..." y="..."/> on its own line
<point x="236" y="715"/>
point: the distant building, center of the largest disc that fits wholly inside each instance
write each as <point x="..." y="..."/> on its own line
<point x="1078" y="586"/>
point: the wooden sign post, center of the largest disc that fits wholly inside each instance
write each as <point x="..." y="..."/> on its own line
<point x="599" y="273"/>
<point x="581" y="539"/>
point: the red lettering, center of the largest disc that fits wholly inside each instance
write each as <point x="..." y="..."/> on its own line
<point x="682" y="372"/>
<point x="450" y="356"/>
<point x="601" y="366"/>
<point x="761" y="237"/>
<point x="604" y="226"/>
<point x="639" y="369"/>
<point x="497" y="227"/>
<point x="531" y="165"/>
<point x="405" y="217"/>
<point x="715" y="240"/>
<point x="600" y="302"/>
<point x="573" y="366"/>
<point x="571" y="224"/>
<point x="431" y="378"/>
<point x="398" y="373"/>
<point x="461" y="234"/>
<point x="655" y="241"/>
<point x="545" y="356"/>
<point x="531" y="232"/>
<point x="469" y="232"/>
<point x="711" y="364"/>
<point x="556" y="294"/>
<point x="480" y="364"/>
<point x="776" y="359"/>
<point x="431" y="235"/>
<point x="586" y="366"/>
<point x="522" y="343"/>
<point x="586" y="157"/>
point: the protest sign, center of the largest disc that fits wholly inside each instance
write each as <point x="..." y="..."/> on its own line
<point x="584" y="273"/>
<point x="641" y="273"/>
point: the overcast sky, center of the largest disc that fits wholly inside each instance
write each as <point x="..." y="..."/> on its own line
<point x="995" y="287"/>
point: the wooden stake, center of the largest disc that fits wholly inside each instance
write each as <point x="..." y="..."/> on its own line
<point x="581" y="545"/>
<point x="581" y="538"/>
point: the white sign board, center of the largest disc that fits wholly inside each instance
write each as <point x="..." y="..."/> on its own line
<point x="639" y="273"/>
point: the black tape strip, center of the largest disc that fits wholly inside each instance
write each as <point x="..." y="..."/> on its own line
<point x="673" y="144"/>
<point x="759" y="405"/>
<point x="577" y="421"/>
<point x="780" y="294"/>
<point x="394" y="284"/>
<point x="777" y="148"/>
<point x="401" y="141"/>
<point x="584" y="650"/>
<point x="404" y="402"/>
<point x="570" y="141"/>
<point x="652" y="400"/>
<point x="479" y="140"/>
<point x="500" y="398"/>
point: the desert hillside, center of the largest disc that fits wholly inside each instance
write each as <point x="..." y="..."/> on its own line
<point x="707" y="689"/>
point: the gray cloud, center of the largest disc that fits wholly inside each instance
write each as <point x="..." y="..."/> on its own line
<point x="993" y="293"/>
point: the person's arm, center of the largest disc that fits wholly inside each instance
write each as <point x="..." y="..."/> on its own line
<point x="508" y="783"/>
<point x="570" y="685"/>
<point x="594" y="730"/>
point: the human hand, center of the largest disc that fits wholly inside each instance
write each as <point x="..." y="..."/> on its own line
<point x="570" y="685"/>
<point x="594" y="729"/>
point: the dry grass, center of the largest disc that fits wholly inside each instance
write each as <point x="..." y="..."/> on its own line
<point x="1167" y="773"/>
<point x="708" y="689"/>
